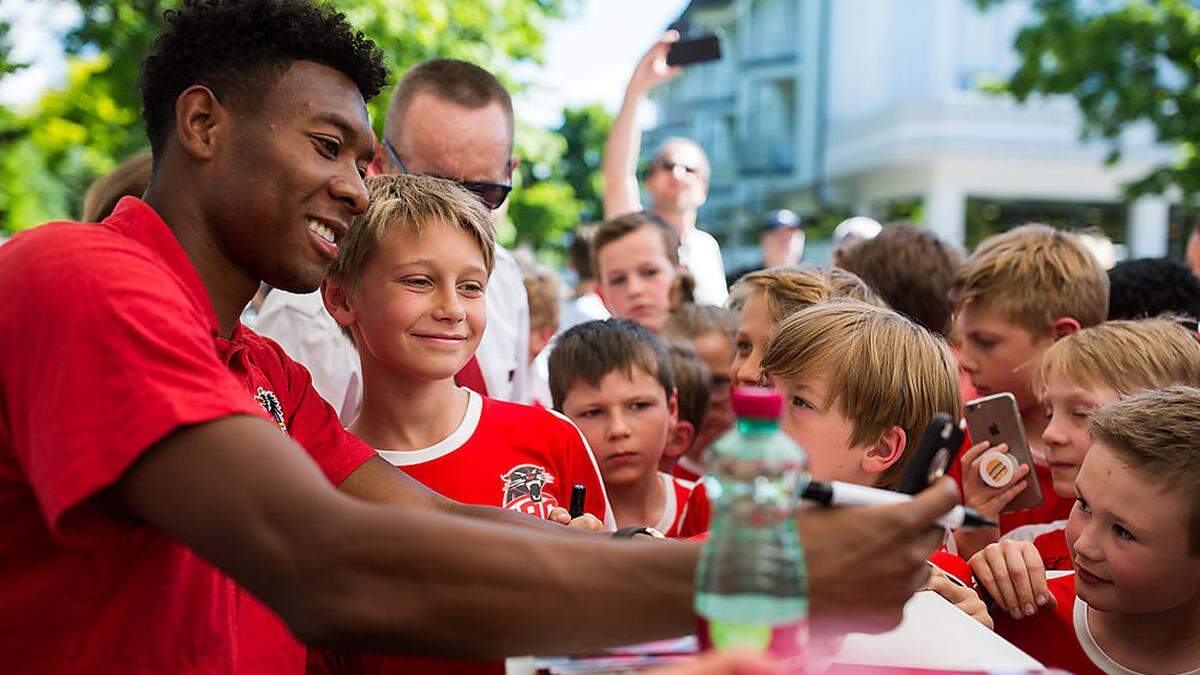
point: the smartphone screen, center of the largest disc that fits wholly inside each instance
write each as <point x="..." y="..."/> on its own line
<point x="696" y="50"/>
<point x="995" y="419"/>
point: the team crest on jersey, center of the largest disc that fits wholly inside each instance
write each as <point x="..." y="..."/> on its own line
<point x="270" y="403"/>
<point x="524" y="490"/>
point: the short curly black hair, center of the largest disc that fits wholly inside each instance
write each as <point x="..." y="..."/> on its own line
<point x="1152" y="286"/>
<point x="238" y="48"/>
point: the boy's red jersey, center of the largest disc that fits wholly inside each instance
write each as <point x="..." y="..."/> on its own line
<point x="686" y="512"/>
<point x="687" y="469"/>
<point x="1059" y="638"/>
<point x="512" y="456"/>
<point x="1050" y="540"/>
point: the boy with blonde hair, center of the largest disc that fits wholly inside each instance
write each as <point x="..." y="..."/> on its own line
<point x="1133" y="602"/>
<point x="710" y="330"/>
<point x="860" y="384"/>
<point x="1095" y="367"/>
<point x="614" y="379"/>
<point x="766" y="297"/>
<point x="1014" y="297"/>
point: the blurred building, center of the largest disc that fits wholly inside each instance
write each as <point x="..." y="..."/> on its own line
<point x="876" y="107"/>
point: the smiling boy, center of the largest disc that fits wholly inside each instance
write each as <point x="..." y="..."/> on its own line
<point x="1133" y="603"/>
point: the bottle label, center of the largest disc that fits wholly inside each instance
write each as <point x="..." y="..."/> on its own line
<point x="786" y="643"/>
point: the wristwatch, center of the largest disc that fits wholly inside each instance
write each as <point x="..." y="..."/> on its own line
<point x="635" y="530"/>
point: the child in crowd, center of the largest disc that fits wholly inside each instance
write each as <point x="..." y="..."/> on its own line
<point x="1095" y="367"/>
<point x="408" y="286"/>
<point x="636" y="259"/>
<point x="710" y="330"/>
<point x="766" y="297"/>
<point x="1152" y="287"/>
<point x="541" y="286"/>
<point x="584" y="304"/>
<point x="860" y="383"/>
<point x="614" y="379"/>
<point x="1133" y="603"/>
<point x="1014" y="297"/>
<point x="693" y="393"/>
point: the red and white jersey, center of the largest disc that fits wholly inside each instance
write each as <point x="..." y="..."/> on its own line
<point x="1061" y="638"/>
<point x="687" y="469"/>
<point x="510" y="455"/>
<point x="1050" y="539"/>
<point x="686" y="511"/>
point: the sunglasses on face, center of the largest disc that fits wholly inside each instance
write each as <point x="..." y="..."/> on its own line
<point x="669" y="166"/>
<point x="491" y="194"/>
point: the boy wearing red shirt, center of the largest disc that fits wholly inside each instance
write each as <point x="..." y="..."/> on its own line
<point x="1133" y="603"/>
<point x="1016" y="295"/>
<point x="613" y="378"/>
<point x="1092" y="368"/>
<point x="408" y="285"/>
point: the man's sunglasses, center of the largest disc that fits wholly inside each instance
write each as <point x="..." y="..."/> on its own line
<point x="491" y="194"/>
<point x="669" y="166"/>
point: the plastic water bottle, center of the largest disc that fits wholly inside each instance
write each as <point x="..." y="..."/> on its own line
<point x="750" y="582"/>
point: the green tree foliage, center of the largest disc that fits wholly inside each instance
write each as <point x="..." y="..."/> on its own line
<point x="1124" y="63"/>
<point x="88" y="125"/>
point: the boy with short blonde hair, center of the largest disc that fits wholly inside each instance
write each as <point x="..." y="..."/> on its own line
<point x="1092" y="368"/>
<point x="615" y="380"/>
<point x="1015" y="296"/>
<point x="860" y="384"/>
<point x="1133" y="602"/>
<point x="765" y="297"/>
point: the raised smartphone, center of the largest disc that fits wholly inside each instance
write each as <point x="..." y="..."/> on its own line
<point x="995" y="419"/>
<point x="694" y="50"/>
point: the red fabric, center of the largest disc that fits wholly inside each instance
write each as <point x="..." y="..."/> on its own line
<point x="684" y="473"/>
<point x="471" y="377"/>
<point x="107" y="345"/>
<point x="1050" y="540"/>
<point x="265" y="645"/>
<point x="1049" y="636"/>
<point x="952" y="564"/>
<point x="549" y="455"/>
<point x="692" y="510"/>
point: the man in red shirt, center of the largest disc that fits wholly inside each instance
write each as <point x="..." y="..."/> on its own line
<point x="133" y="459"/>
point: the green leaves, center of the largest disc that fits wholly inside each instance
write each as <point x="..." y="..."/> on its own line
<point x="50" y="153"/>
<point x="1125" y="64"/>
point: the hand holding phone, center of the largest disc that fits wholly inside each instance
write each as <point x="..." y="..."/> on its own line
<point x="694" y="50"/>
<point x="995" y="419"/>
<point x="937" y="450"/>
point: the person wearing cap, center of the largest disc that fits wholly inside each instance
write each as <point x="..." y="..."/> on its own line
<point x="676" y="180"/>
<point x="850" y="232"/>
<point x="782" y="241"/>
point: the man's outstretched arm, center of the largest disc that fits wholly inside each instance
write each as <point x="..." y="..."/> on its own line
<point x="624" y="139"/>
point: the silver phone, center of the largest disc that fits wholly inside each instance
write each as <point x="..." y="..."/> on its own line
<point x="995" y="419"/>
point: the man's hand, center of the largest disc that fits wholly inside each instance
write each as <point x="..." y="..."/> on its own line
<point x="587" y="522"/>
<point x="960" y="596"/>
<point x="865" y="563"/>
<point x="653" y="70"/>
<point x="1013" y="574"/>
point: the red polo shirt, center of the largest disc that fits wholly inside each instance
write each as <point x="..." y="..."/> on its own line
<point x="108" y="343"/>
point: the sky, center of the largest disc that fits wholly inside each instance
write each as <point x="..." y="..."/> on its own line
<point x="588" y="58"/>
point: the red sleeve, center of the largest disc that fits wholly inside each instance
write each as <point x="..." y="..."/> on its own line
<point x="699" y="512"/>
<point x="102" y="354"/>
<point x="314" y="424"/>
<point x="581" y="468"/>
<point x="952" y="564"/>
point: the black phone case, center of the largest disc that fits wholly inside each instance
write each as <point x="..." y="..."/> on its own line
<point x="940" y="443"/>
<point x="697" y="50"/>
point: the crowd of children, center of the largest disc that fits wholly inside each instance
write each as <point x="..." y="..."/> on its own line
<point x="631" y="382"/>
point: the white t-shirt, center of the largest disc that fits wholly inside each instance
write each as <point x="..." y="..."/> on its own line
<point x="701" y="254"/>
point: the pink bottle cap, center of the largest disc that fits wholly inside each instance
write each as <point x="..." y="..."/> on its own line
<point x="758" y="403"/>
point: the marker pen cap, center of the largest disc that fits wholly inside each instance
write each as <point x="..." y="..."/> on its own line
<point x="997" y="468"/>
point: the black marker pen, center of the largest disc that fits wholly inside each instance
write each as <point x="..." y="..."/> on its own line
<point x="835" y="493"/>
<point x="578" y="494"/>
